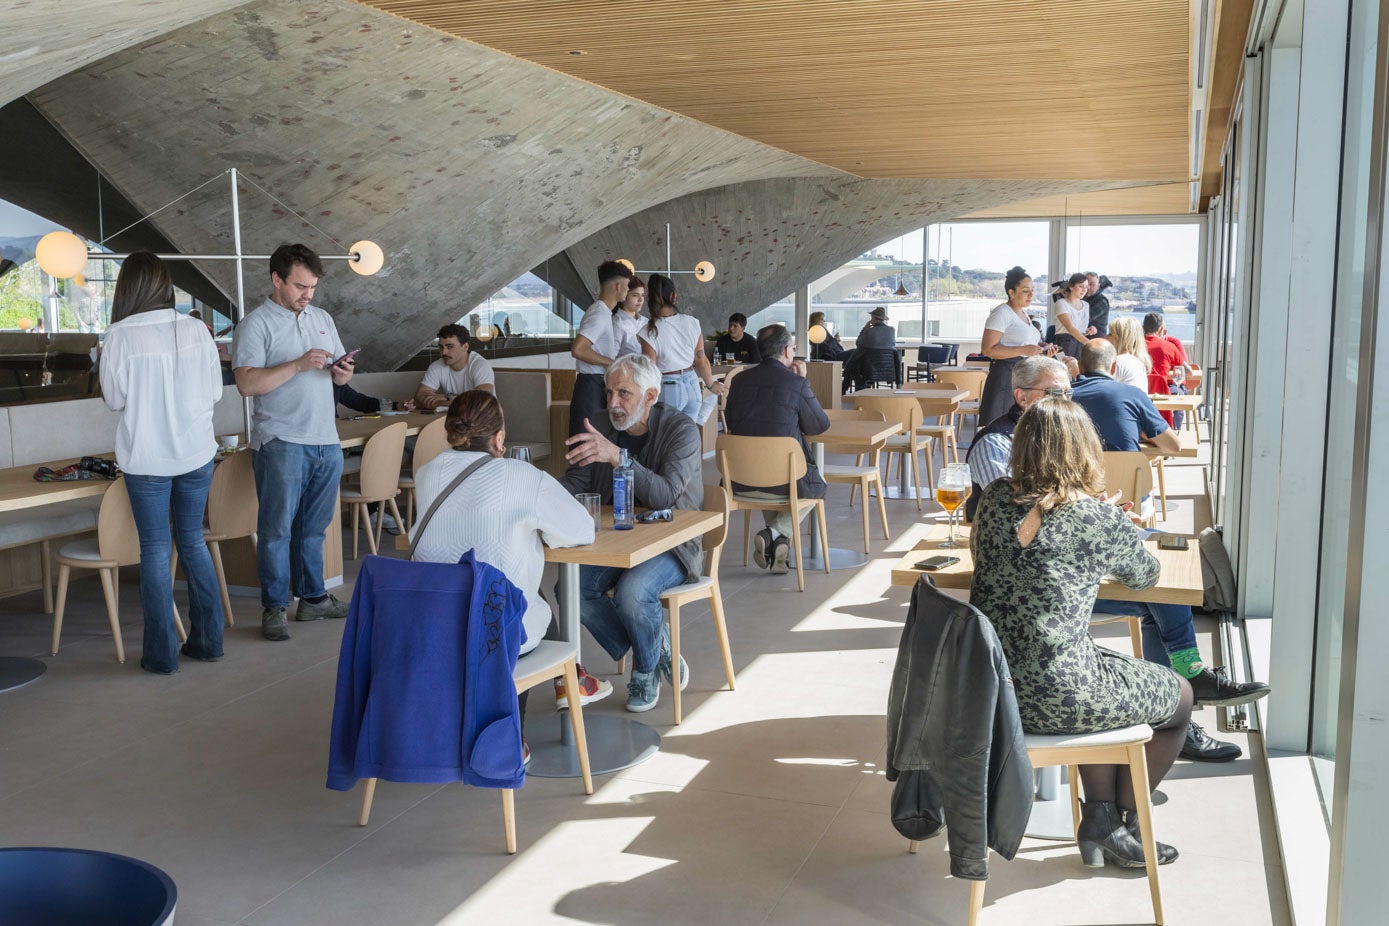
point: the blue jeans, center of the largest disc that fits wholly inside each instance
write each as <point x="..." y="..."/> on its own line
<point x="632" y="618"/>
<point x="297" y="485"/>
<point x="152" y="499"/>
<point x="682" y="391"/>
<point x="1167" y="628"/>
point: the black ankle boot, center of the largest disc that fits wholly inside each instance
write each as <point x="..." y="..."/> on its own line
<point x="1103" y="836"/>
<point x="1166" y="854"/>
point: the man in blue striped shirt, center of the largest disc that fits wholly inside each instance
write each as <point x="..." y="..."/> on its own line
<point x="1033" y="378"/>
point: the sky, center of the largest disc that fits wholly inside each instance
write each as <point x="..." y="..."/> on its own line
<point x="1116" y="250"/>
<point x="21" y="223"/>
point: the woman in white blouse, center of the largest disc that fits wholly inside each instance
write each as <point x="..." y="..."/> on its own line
<point x="676" y="343"/>
<point x="160" y="370"/>
<point x="1072" y="314"/>
<point x="1009" y="335"/>
<point x="1133" y="363"/>
<point x="628" y="320"/>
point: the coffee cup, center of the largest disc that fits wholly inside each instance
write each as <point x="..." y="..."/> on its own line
<point x="229" y="441"/>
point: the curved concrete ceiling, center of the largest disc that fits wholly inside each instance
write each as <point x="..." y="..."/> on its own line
<point x="768" y="237"/>
<point x="41" y="40"/>
<point x="468" y="166"/>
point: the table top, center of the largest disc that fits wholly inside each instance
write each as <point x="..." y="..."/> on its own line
<point x="1179" y="583"/>
<point x="1173" y="403"/>
<point x="855" y="431"/>
<point x="625" y="549"/>
<point x="19" y="491"/>
<point x="928" y="393"/>
<point x="353" y="432"/>
<point x="1190" y="446"/>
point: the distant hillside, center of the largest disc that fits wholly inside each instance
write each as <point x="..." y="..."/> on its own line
<point x="1136" y="292"/>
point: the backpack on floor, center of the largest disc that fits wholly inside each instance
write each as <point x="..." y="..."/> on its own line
<point x="1217" y="575"/>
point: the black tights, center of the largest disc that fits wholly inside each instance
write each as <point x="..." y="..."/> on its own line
<point x="1115" y="783"/>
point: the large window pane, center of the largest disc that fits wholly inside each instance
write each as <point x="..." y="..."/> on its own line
<point x="968" y="262"/>
<point x="1153" y="268"/>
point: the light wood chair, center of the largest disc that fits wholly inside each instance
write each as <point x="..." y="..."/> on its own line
<point x="232" y="510"/>
<point x="859" y="475"/>
<point x="550" y="660"/>
<point x="429" y="443"/>
<point x="769" y="461"/>
<point x="117" y="544"/>
<point x="1131" y="472"/>
<point x="706" y="586"/>
<point x="906" y="411"/>
<point x="723" y="399"/>
<point x="973" y="380"/>
<point x="379" y="482"/>
<point x="1112" y="747"/>
<point x="942" y="432"/>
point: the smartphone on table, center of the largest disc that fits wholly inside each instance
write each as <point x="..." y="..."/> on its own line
<point x="933" y="563"/>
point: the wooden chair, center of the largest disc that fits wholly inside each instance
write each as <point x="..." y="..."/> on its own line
<point x="550" y="660"/>
<point x="769" y="461"/>
<point x="973" y="380"/>
<point x="1112" y="747"/>
<point x="859" y="475"/>
<point x="943" y="431"/>
<point x="723" y="399"/>
<point x="906" y="411"/>
<point x="379" y="482"/>
<point x="232" y="510"/>
<point x="706" y="586"/>
<point x="429" y="443"/>
<point x="1130" y="472"/>
<point x="117" y="544"/>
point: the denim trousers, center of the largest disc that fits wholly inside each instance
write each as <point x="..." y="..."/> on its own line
<point x="681" y="390"/>
<point x="632" y="617"/>
<point x="297" y="485"/>
<point x="152" y="500"/>
<point x="1167" y="628"/>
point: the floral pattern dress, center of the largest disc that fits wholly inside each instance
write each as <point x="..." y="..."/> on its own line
<point x="1039" y="598"/>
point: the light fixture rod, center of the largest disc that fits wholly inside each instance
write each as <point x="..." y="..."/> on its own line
<point x="240" y="309"/>
<point x="668" y="270"/>
<point x="103" y="255"/>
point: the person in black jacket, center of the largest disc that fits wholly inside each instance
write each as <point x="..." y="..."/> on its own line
<point x="774" y="399"/>
<point x="1098" y="302"/>
<point x="955" y="742"/>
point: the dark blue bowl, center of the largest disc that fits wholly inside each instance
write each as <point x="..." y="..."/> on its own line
<point x="75" y="887"/>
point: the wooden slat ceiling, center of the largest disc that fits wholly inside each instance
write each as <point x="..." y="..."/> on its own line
<point x="969" y="89"/>
<point x="1160" y="199"/>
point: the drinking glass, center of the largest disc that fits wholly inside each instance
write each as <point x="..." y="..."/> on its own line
<point x="593" y="504"/>
<point x="519" y="453"/>
<point x="952" y="488"/>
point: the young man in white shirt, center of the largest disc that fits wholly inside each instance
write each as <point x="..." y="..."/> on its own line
<point x="457" y="370"/>
<point x="596" y="345"/>
<point x="284" y="354"/>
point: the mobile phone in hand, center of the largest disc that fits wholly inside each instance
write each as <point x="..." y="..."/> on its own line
<point x="347" y="356"/>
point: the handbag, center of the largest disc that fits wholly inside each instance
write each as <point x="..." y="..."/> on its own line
<point x="439" y="500"/>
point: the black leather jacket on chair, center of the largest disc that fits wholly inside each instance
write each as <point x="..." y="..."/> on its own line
<point x="954" y="740"/>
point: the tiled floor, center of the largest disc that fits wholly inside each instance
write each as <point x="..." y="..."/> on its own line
<point x="768" y="804"/>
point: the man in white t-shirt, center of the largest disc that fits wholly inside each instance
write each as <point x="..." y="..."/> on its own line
<point x="457" y="370"/>
<point x="596" y="345"/>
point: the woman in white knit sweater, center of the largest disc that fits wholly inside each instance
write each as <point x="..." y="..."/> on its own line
<point x="1133" y="363"/>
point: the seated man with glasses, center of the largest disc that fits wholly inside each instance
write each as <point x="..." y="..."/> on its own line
<point x="1124" y="415"/>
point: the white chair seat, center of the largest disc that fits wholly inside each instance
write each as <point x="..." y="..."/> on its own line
<point x="352" y="494"/>
<point x="82" y="549"/>
<point x="760" y="503"/>
<point x="935" y="430"/>
<point x="898" y="442"/>
<point x="696" y="585"/>
<point x="547" y="655"/>
<point x="835" y="469"/>
<point x="1138" y="733"/>
<point x="18" y="528"/>
<point x="407" y="482"/>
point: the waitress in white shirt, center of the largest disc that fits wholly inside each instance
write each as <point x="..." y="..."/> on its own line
<point x="1072" y="314"/>
<point x="1009" y="335"/>
<point x="159" y="369"/>
<point x="676" y="343"/>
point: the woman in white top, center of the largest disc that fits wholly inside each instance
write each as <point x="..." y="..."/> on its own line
<point x="160" y="370"/>
<point x="1133" y="363"/>
<point x="1072" y="314"/>
<point x="628" y="320"/>
<point x="676" y="343"/>
<point x="1009" y="335"/>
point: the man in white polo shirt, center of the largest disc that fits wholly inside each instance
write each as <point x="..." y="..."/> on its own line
<point x="284" y="353"/>
<point x="457" y="370"/>
<point x="596" y="345"/>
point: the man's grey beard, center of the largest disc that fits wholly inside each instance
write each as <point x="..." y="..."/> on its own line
<point x="636" y="418"/>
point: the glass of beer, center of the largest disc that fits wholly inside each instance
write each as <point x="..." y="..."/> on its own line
<point x="952" y="488"/>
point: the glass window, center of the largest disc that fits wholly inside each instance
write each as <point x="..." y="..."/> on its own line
<point x="522" y="316"/>
<point x="1153" y="269"/>
<point x="968" y="262"/>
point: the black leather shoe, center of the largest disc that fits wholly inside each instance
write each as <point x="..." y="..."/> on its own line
<point x="1103" y="838"/>
<point x="1213" y="686"/>
<point x="1201" y="747"/>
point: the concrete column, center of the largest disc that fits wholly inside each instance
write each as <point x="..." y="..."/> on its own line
<point x="802" y="324"/>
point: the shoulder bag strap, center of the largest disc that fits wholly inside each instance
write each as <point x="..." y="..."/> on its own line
<point x="439" y="500"/>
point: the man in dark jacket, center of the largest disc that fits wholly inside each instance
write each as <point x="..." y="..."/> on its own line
<point x="665" y="450"/>
<point x="774" y="399"/>
<point x="955" y="743"/>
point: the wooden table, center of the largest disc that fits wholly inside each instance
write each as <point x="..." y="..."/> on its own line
<point x="19" y="490"/>
<point x="614" y="742"/>
<point x="1177" y="403"/>
<point x="926" y="393"/>
<point x="354" y="432"/>
<point x="862" y="436"/>
<point x="1179" y="583"/>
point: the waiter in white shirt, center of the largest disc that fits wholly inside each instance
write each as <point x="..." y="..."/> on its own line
<point x="596" y="344"/>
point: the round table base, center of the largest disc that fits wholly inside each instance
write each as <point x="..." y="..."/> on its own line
<point x="839" y="559"/>
<point x="614" y="743"/>
<point x="18" y="671"/>
<point x="1052" y="820"/>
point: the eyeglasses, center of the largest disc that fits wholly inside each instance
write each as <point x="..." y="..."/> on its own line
<point x="1055" y="392"/>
